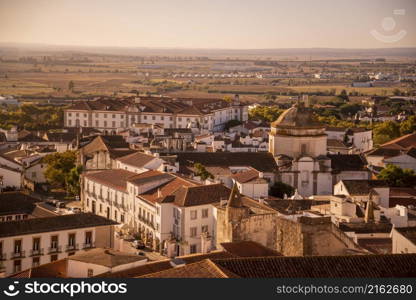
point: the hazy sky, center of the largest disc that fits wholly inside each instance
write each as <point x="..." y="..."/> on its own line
<point x="232" y="24"/>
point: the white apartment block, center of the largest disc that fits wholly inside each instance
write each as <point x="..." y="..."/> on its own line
<point x="112" y="193"/>
<point x="171" y="214"/>
<point x="31" y="242"/>
<point x="110" y="115"/>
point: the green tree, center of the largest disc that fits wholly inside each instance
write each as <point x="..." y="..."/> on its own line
<point x="265" y="113"/>
<point x="349" y="109"/>
<point x="408" y="126"/>
<point x="201" y="171"/>
<point x="398" y="177"/>
<point x="72" y="180"/>
<point x="344" y="95"/>
<point x="59" y="166"/>
<point x="385" y="132"/>
<point x="228" y="99"/>
<point x="280" y="189"/>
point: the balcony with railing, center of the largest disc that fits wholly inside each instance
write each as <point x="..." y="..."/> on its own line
<point x="54" y="249"/>
<point x="19" y="254"/>
<point x="36" y="252"/>
<point x="72" y="247"/>
<point x="88" y="245"/>
<point x="147" y="222"/>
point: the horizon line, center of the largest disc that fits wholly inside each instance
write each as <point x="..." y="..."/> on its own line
<point x="199" y="48"/>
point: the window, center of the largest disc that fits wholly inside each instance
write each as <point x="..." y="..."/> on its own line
<point x="121" y="116"/>
<point x="114" y="116"/>
<point x="54" y="257"/>
<point x="69" y="114"/>
<point x="122" y="218"/>
<point x="101" y="208"/>
<point x="193" y="231"/>
<point x="153" y="118"/>
<point x="144" y="117"/>
<point x="114" y="123"/>
<point x="205" y="213"/>
<point x="54" y="242"/>
<point x="179" y="119"/>
<point x="121" y="124"/>
<point x="85" y="123"/>
<point x="96" y="115"/>
<point x="96" y="123"/>
<point x="162" y="118"/>
<point x="69" y="123"/>
<point x="17" y="246"/>
<point x="192" y="248"/>
<point x="88" y="238"/>
<point x="36" y="244"/>
<point x="193" y="214"/>
<point x="17" y="266"/>
<point x="105" y="115"/>
<point x="35" y="261"/>
<point x="204" y="228"/>
<point x="71" y="240"/>
<point x="105" y="123"/>
<point x="85" y="115"/>
<point x="77" y="114"/>
<point x="90" y="273"/>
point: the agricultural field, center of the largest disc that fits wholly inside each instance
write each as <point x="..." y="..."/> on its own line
<point x="31" y="75"/>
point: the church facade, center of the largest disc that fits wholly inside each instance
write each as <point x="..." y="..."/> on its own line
<point x="298" y="142"/>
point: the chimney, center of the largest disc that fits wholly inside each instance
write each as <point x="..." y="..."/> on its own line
<point x="261" y="200"/>
<point x="159" y="193"/>
<point x="177" y="262"/>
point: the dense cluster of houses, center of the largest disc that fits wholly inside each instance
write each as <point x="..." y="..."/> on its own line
<point x="169" y="173"/>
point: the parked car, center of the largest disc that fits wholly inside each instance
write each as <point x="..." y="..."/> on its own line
<point x="60" y="204"/>
<point x="138" y="244"/>
<point x="75" y="210"/>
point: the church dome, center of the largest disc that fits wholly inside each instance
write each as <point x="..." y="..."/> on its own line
<point x="298" y="116"/>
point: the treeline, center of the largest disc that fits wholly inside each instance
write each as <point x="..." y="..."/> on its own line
<point x="31" y="117"/>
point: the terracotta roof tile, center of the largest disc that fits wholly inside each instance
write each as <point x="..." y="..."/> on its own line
<point x="63" y="222"/>
<point x="391" y="265"/>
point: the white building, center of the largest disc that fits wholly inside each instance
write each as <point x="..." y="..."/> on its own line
<point x="299" y="144"/>
<point x="184" y="222"/>
<point x="32" y="242"/>
<point x="112" y="193"/>
<point x="404" y="240"/>
<point x="170" y="213"/>
<point x="361" y="139"/>
<point x="363" y="190"/>
<point x="251" y="183"/>
<point x="139" y="162"/>
<point x="109" y="115"/>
